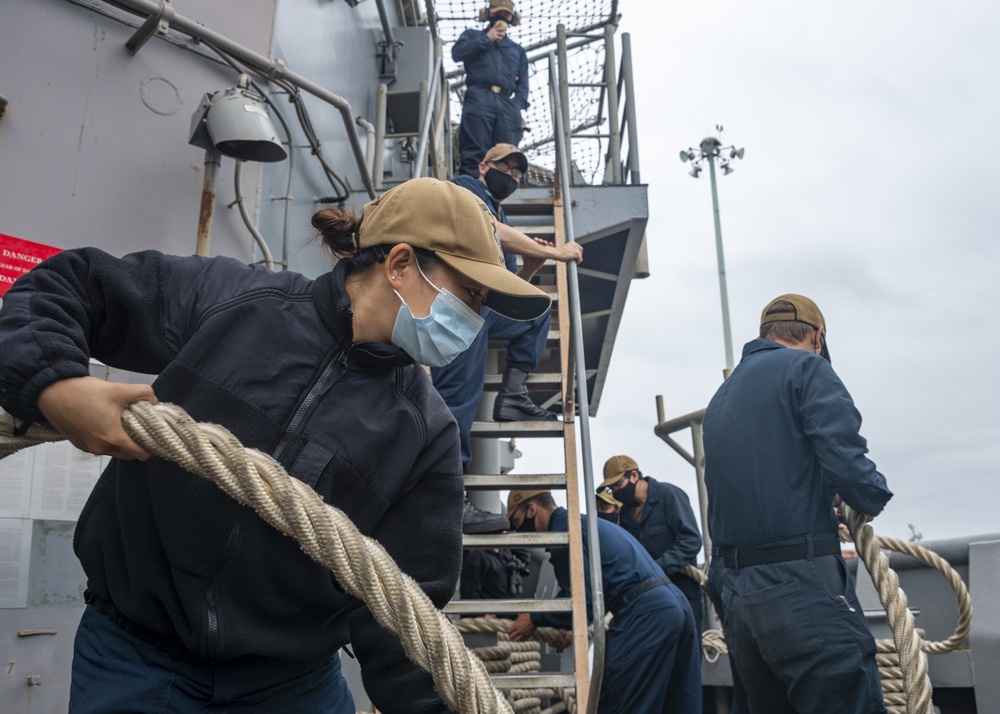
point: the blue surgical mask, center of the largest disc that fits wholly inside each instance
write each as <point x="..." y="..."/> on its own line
<point x="443" y="335"/>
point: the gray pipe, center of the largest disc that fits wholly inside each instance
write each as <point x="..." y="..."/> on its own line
<point x="369" y="142"/>
<point x="207" y="210"/>
<point x="266" y="68"/>
<point x="390" y="39"/>
<point x="251" y="226"/>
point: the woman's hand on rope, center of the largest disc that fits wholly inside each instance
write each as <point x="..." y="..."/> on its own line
<point x="522" y="629"/>
<point x="88" y="412"/>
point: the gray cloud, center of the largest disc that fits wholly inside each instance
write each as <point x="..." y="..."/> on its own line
<point x="870" y="184"/>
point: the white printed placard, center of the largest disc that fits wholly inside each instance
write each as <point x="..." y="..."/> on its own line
<point x="62" y="479"/>
<point x="15" y="483"/>
<point x="15" y="559"/>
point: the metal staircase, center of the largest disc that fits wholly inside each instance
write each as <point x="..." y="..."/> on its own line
<point x="589" y="301"/>
<point x="542" y="218"/>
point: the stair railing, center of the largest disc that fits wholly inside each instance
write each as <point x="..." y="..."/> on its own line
<point x="582" y="397"/>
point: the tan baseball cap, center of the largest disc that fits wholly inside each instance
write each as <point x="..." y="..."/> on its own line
<point x="803" y="310"/>
<point x="496" y="6"/>
<point x="458" y="227"/>
<point x="604" y="494"/>
<point x="504" y="152"/>
<point x="615" y="468"/>
<point x="516" y="498"/>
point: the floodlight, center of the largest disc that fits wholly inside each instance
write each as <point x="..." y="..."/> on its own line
<point x="235" y="122"/>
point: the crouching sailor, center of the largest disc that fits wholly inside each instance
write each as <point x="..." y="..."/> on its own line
<point x="652" y="662"/>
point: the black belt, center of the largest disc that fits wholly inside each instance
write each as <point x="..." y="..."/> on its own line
<point x="742" y="557"/>
<point x="495" y="88"/>
<point x="634" y="592"/>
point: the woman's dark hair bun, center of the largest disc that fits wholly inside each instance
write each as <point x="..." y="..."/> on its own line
<point x="338" y="229"/>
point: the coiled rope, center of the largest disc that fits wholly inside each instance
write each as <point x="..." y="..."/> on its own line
<point x="518" y="658"/>
<point x="902" y="661"/>
<point x="326" y="534"/>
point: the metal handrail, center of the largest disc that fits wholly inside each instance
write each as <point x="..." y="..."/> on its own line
<point x="425" y="128"/>
<point x="665" y="430"/>
<point x="628" y="89"/>
<point x="582" y="397"/>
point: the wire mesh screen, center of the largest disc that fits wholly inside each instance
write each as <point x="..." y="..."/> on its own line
<point x="536" y="32"/>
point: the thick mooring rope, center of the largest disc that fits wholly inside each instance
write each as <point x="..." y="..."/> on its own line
<point x="325" y="533"/>
<point x="912" y="661"/>
<point x="366" y="571"/>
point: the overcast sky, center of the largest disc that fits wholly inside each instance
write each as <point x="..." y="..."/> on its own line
<point x="869" y="184"/>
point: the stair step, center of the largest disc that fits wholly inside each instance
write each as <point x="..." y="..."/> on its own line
<point x="536" y="230"/>
<point x="514" y="482"/>
<point x="469" y="607"/>
<point x="551" y="340"/>
<point x="541" y="380"/>
<point x="507" y="429"/>
<point x="515" y="540"/>
<point x="536" y="680"/>
<point x="520" y="204"/>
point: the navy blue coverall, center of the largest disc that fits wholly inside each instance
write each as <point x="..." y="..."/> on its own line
<point x="668" y="531"/>
<point x="781" y="439"/>
<point x="490" y="118"/>
<point x="653" y="657"/>
<point x="460" y="383"/>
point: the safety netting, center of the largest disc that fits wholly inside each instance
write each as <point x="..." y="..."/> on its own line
<point x="536" y="32"/>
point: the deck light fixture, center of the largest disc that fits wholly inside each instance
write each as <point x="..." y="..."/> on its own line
<point x="231" y="122"/>
<point x="710" y="149"/>
<point x="235" y="122"/>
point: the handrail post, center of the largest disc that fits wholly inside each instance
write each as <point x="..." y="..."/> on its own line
<point x="611" y="85"/>
<point x="698" y="449"/>
<point x="427" y="102"/>
<point x="583" y="397"/>
<point x="381" y="102"/>
<point x="632" y="161"/>
<point x="563" y="92"/>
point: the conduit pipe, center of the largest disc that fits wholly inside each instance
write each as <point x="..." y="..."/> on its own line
<point x="251" y="226"/>
<point x="369" y="143"/>
<point x="212" y="161"/>
<point x="264" y="67"/>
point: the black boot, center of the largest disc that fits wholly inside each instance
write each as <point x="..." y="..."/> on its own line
<point x="475" y="520"/>
<point x="513" y="402"/>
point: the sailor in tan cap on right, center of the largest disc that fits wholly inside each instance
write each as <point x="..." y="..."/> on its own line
<point x="782" y="446"/>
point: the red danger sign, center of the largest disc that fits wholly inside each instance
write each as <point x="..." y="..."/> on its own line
<point x="18" y="256"/>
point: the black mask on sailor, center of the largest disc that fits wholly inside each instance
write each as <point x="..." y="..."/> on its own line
<point x="528" y="522"/>
<point x="626" y="494"/>
<point x="501" y="185"/>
